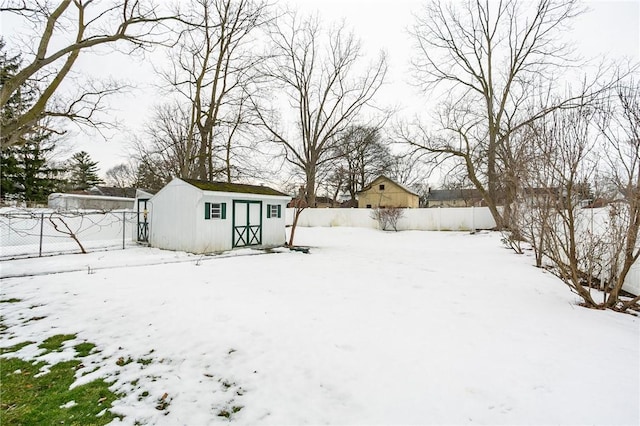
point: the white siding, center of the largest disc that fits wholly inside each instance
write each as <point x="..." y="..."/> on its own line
<point x="212" y="234"/>
<point x="273" y="229"/>
<point x="172" y="216"/>
<point x="178" y="219"/>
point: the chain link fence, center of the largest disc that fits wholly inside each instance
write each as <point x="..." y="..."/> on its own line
<point x="33" y="233"/>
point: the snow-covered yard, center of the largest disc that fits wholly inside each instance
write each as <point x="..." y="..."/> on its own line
<point x="412" y="327"/>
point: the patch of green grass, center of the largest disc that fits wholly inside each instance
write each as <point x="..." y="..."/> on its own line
<point x="227" y="414"/>
<point x="122" y="362"/>
<point x="54" y="343"/>
<point x="29" y="400"/>
<point x="84" y="349"/>
<point x="144" y="361"/>
<point x="14" y="348"/>
<point x="12" y="300"/>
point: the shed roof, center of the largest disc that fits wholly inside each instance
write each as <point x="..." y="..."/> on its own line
<point x="233" y="187"/>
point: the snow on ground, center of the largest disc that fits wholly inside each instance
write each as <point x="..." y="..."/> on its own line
<point x="370" y="328"/>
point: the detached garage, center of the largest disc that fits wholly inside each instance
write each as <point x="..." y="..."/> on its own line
<point x="202" y="217"/>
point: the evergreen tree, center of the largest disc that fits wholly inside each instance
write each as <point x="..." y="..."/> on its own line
<point x="25" y="173"/>
<point x="83" y="171"/>
<point x="28" y="176"/>
<point x="21" y="99"/>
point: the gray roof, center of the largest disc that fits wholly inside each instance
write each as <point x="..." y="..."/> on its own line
<point x="453" y="194"/>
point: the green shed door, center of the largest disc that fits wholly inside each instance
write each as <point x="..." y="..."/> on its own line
<point x="247" y="223"/>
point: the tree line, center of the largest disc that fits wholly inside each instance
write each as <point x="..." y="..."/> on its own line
<point x="251" y="87"/>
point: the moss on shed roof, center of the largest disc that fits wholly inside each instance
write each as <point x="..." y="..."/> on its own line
<point x="233" y="187"/>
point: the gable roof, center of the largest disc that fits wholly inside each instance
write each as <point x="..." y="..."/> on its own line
<point x="233" y="187"/>
<point x="401" y="186"/>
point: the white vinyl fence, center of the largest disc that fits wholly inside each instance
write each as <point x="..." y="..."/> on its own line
<point x="434" y="219"/>
<point x="443" y="219"/>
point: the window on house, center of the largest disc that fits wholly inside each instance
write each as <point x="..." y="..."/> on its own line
<point x="381" y="187"/>
<point x="215" y="210"/>
<point x="274" y="210"/>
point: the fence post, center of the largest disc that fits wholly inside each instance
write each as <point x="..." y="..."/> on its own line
<point x="473" y="220"/>
<point x="41" y="231"/>
<point x="124" y="225"/>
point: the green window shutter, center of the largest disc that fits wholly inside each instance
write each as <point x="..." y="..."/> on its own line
<point x="279" y="210"/>
<point x="224" y="211"/>
<point x="268" y="211"/>
<point x="207" y="210"/>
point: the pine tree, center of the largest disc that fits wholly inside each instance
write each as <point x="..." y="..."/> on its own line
<point x="29" y="177"/>
<point x="8" y="162"/>
<point x="83" y="171"/>
<point x="25" y="173"/>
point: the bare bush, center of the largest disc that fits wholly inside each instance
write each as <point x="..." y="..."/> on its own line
<point x="387" y="217"/>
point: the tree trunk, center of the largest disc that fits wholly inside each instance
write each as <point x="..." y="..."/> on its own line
<point x="311" y="185"/>
<point x="296" y="215"/>
<point x="202" y="160"/>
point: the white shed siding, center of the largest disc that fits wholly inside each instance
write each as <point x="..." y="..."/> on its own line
<point x="178" y="219"/>
<point x="273" y="229"/>
<point x="212" y="234"/>
<point x="172" y="219"/>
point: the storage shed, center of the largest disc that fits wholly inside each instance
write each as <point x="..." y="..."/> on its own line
<point x="202" y="217"/>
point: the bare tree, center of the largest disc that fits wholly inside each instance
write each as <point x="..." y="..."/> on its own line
<point x="121" y="176"/>
<point x="135" y="23"/>
<point x="409" y="169"/>
<point x="211" y="68"/>
<point x="166" y="146"/>
<point x="299" y="204"/>
<point x="620" y="126"/>
<point x="499" y="62"/>
<point x="325" y="85"/>
<point x="362" y="156"/>
<point x="562" y="230"/>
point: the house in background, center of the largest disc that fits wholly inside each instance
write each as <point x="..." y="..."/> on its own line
<point x="384" y="192"/>
<point x="112" y="191"/>
<point x="83" y="201"/>
<point x="203" y="217"/>
<point x="453" y="198"/>
<point x="321" y="202"/>
<point x="95" y="198"/>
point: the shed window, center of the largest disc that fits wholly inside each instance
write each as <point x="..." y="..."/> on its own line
<point x="274" y="210"/>
<point x="215" y="210"/>
<point x="381" y="187"/>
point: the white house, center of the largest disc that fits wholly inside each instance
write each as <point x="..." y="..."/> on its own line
<point x="64" y="202"/>
<point x="202" y="217"/>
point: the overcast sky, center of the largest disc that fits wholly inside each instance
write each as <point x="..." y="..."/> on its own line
<point x="610" y="28"/>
